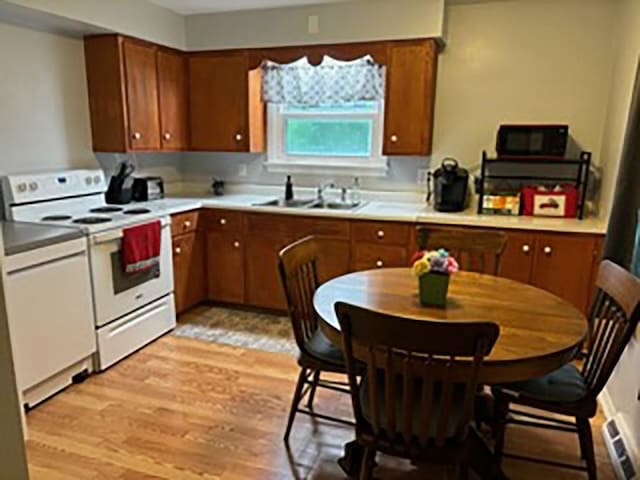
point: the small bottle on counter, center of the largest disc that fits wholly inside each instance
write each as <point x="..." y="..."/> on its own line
<point x="355" y="191"/>
<point x="288" y="190"/>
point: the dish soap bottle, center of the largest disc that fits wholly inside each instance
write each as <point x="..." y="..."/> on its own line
<point x="355" y="191"/>
<point x="288" y="190"/>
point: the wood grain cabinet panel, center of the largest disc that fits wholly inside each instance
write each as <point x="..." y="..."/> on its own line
<point x="367" y="256"/>
<point x="142" y="95"/>
<point x="517" y="259"/>
<point x="563" y="265"/>
<point x="226" y="111"/>
<point x="224" y="220"/>
<point x="263" y="288"/>
<point x="381" y="233"/>
<point x="226" y="267"/>
<point x="410" y="98"/>
<point x="189" y="256"/>
<point x="173" y="99"/>
<point x="186" y="222"/>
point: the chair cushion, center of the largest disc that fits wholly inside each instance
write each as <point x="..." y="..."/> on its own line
<point x="455" y="413"/>
<point x="564" y="385"/>
<point x="321" y="347"/>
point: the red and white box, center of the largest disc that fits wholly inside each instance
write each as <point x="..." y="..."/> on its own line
<point x="560" y="201"/>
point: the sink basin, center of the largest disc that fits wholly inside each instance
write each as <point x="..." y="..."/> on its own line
<point x="296" y="203"/>
<point x="337" y="205"/>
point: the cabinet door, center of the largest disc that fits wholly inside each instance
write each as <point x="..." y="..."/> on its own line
<point x="225" y="259"/>
<point x="367" y="256"/>
<point x="218" y="93"/>
<point x="188" y="270"/>
<point x="142" y="95"/>
<point x="411" y="79"/>
<point x="334" y="259"/>
<point x="563" y="265"/>
<point x="172" y="88"/>
<point x="262" y="278"/>
<point x="517" y="259"/>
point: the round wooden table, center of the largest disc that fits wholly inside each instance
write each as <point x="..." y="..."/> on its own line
<point x="539" y="332"/>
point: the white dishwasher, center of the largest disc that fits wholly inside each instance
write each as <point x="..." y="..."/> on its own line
<point x="51" y="320"/>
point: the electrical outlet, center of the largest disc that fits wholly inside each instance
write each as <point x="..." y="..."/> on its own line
<point x="423" y="175"/>
<point x="313" y="24"/>
<point x="242" y="170"/>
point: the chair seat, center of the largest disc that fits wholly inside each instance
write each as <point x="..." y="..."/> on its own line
<point x="456" y="412"/>
<point x="320" y="347"/>
<point x="564" y="385"/>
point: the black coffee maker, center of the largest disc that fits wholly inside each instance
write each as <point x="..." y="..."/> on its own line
<point x="448" y="185"/>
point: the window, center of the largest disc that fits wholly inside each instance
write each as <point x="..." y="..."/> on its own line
<point x="345" y="138"/>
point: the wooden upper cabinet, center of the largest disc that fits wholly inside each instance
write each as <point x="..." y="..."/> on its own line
<point x="226" y="111"/>
<point x="142" y="95"/>
<point x="173" y="98"/>
<point x="410" y="97"/>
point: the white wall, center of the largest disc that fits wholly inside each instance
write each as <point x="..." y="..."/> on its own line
<point x="339" y="22"/>
<point x="522" y="61"/>
<point x="137" y="18"/>
<point x="44" y="110"/>
<point x="624" y="385"/>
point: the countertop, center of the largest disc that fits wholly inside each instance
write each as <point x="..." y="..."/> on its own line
<point x="22" y="237"/>
<point x="383" y="206"/>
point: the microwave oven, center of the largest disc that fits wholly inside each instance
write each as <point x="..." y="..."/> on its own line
<point x="532" y="140"/>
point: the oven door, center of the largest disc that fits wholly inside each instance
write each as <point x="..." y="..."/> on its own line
<point x="117" y="293"/>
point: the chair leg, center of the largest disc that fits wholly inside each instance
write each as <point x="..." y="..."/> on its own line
<point x="368" y="463"/>
<point x="294" y="403"/>
<point x="500" y="426"/>
<point x="586" y="446"/>
<point x="312" y="391"/>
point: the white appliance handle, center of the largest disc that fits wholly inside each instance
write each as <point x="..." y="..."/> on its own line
<point x="113" y="235"/>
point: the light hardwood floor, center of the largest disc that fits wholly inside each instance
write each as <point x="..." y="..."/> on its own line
<point x="187" y="409"/>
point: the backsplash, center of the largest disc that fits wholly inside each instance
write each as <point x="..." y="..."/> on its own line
<point x="197" y="167"/>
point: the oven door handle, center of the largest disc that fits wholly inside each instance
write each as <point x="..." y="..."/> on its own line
<point x="113" y="235"/>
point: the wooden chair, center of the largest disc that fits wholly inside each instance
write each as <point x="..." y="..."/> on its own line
<point x="298" y="267"/>
<point x="569" y="391"/>
<point x="480" y="251"/>
<point x="416" y="398"/>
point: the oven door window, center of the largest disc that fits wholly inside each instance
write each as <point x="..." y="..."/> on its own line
<point x="126" y="281"/>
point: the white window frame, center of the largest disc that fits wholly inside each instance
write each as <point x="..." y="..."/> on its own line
<point x="279" y="161"/>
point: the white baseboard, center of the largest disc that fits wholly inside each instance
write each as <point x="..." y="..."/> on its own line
<point x="609" y="411"/>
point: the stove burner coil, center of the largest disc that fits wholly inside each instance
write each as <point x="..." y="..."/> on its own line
<point x="91" y="220"/>
<point x="56" y="218"/>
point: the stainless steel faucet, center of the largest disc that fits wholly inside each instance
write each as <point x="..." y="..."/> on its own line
<point x="322" y="188"/>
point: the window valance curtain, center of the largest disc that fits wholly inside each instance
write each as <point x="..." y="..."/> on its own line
<point x="332" y="82"/>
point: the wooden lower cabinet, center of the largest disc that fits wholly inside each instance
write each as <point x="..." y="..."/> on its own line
<point x="225" y="267"/>
<point x="233" y="256"/>
<point x="189" y="270"/>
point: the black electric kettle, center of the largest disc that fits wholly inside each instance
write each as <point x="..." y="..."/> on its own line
<point x="448" y="185"/>
<point x="120" y="190"/>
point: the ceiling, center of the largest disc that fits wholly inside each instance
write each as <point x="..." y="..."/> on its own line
<point x="192" y="7"/>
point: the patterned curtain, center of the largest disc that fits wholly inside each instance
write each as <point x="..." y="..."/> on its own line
<point x="333" y="82"/>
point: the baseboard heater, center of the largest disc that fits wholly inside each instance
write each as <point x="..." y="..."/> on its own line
<point x="622" y="462"/>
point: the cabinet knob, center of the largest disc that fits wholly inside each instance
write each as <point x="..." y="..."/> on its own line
<point x="526" y="248"/>
<point x="394" y="138"/>
<point x="177" y="250"/>
<point x="238" y="137"/>
<point x="379" y="263"/>
<point x="236" y="244"/>
<point x="223" y="221"/>
<point x="380" y="234"/>
<point x="167" y="136"/>
<point x="187" y="223"/>
<point x="136" y="135"/>
<point x="547" y="250"/>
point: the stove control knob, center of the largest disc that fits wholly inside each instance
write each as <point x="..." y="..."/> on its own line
<point x="22" y="187"/>
<point x="87" y="180"/>
<point x="33" y="186"/>
<point x="97" y="179"/>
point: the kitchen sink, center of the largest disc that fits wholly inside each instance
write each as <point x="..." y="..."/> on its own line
<point x="296" y="203"/>
<point x="337" y="205"/>
<point x="310" y="203"/>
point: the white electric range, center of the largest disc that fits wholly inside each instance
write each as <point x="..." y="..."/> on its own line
<point x="130" y="310"/>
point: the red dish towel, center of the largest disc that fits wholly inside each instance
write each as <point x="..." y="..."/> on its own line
<point x="141" y="247"/>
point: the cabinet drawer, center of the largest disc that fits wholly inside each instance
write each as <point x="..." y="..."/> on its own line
<point x="367" y="257"/>
<point x="224" y="221"/>
<point x="385" y="233"/>
<point x="184" y="222"/>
